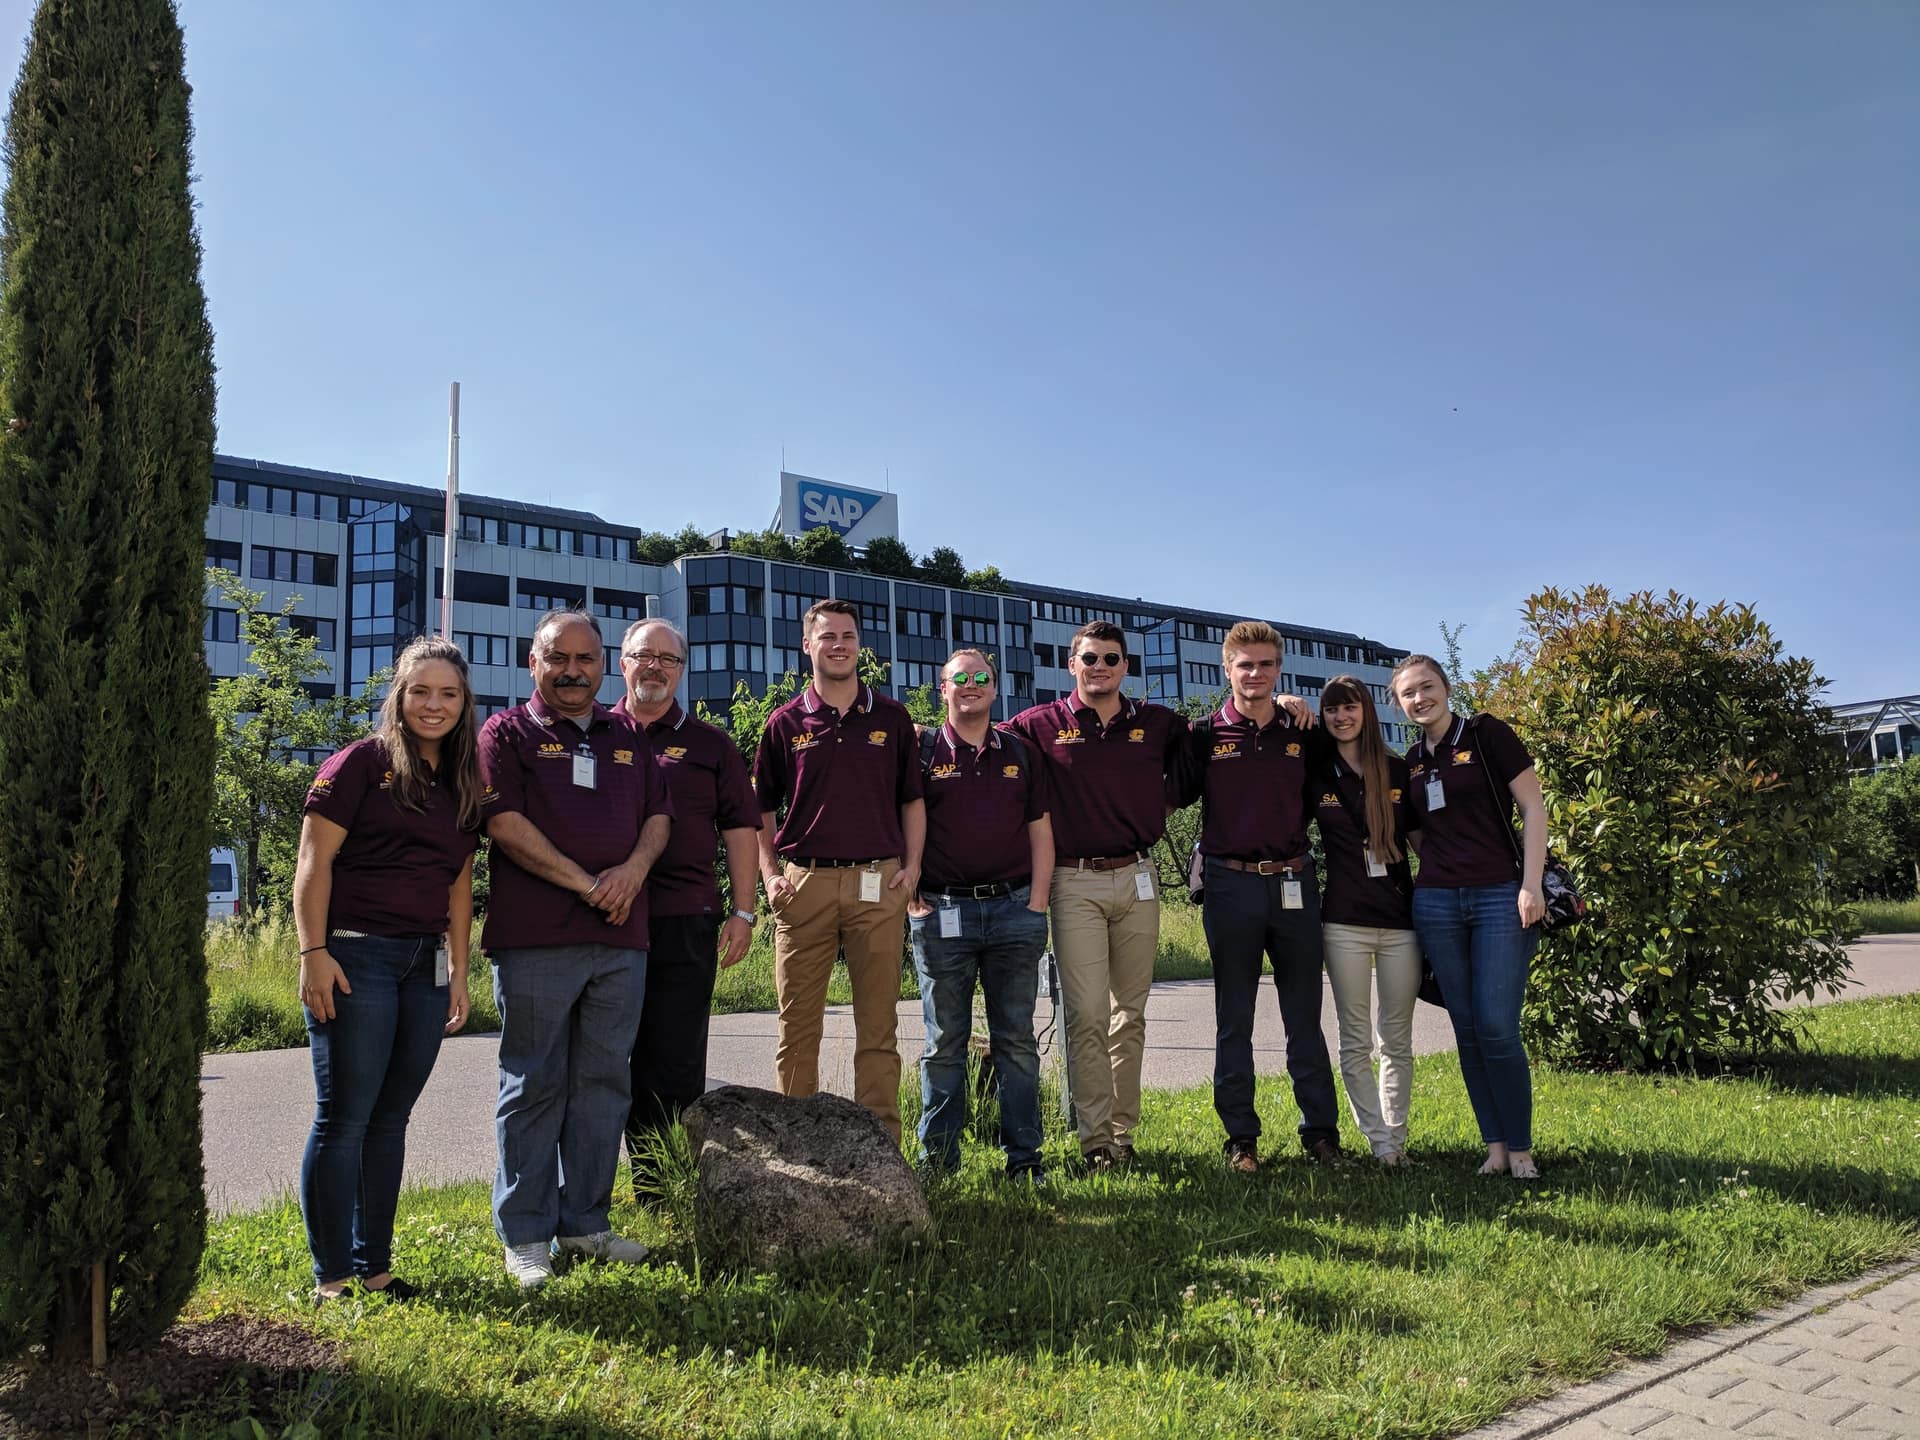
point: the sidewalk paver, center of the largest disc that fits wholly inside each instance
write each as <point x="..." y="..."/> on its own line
<point x="1836" y="1364"/>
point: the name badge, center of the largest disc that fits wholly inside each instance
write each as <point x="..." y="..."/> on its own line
<point x="870" y="887"/>
<point x="441" y="962"/>
<point x="949" y="922"/>
<point x="1436" y="794"/>
<point x="1291" y="895"/>
<point x="583" y="768"/>
<point x="1375" y="870"/>
<point x="1142" y="885"/>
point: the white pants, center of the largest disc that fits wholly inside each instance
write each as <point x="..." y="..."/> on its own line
<point x="1356" y="954"/>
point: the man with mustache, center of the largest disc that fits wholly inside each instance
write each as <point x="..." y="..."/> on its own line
<point x="577" y="812"/>
<point x="692" y="932"/>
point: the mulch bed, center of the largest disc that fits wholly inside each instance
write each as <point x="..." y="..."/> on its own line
<point x="244" y="1363"/>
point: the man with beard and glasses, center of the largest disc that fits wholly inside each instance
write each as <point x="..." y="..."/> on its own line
<point x="577" y="812"/>
<point x="692" y="932"/>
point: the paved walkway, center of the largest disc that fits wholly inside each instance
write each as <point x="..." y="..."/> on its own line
<point x="1841" y="1363"/>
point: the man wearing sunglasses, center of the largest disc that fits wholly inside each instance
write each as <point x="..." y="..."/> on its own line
<point x="843" y="759"/>
<point x="1109" y="761"/>
<point x="981" y="914"/>
<point x="692" y="932"/>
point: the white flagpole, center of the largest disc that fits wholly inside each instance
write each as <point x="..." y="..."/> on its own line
<point x="453" y="510"/>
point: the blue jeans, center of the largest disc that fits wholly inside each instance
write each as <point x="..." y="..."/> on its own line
<point x="1000" y="943"/>
<point x="1479" y="952"/>
<point x="370" y="1063"/>
<point x="1245" y="916"/>
<point x="568" y="1014"/>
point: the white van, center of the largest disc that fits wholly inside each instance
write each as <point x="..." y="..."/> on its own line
<point x="223" y="886"/>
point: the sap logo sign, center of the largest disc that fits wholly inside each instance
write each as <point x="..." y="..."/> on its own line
<point x="839" y="510"/>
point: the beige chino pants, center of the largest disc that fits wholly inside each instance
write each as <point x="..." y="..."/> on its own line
<point x="1104" y="939"/>
<point x="824" y="916"/>
<point x="1360" y="957"/>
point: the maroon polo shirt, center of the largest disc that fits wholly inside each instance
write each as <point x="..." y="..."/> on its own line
<point x="1108" y="786"/>
<point x="843" y="778"/>
<point x="1353" y="897"/>
<point x="526" y="755"/>
<point x="1471" y="840"/>
<point x="394" y="872"/>
<point x="979" y="805"/>
<point x="1254" y="781"/>
<point x="707" y="780"/>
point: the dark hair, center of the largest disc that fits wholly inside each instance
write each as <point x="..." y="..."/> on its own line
<point x="1098" y="630"/>
<point x="1374" y="775"/>
<point x="829" y="607"/>
<point x="459" y="752"/>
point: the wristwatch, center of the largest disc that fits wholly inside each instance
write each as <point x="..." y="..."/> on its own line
<point x="746" y="915"/>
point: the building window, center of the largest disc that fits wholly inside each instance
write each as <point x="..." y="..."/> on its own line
<point x="790" y="662"/>
<point x="789" y="606"/>
<point x="1018" y="635"/>
<point x="1043" y="654"/>
<point x="915" y="673"/>
<point x="319" y="628"/>
<point x="726" y="600"/>
<point x="1203" y="674"/>
<point x="928" y="624"/>
<point x="364" y="660"/>
<point x="720" y="655"/>
<point x="975" y="632"/>
<point x="223" y="555"/>
<point x="619" y="604"/>
<point x="485" y="705"/>
<point x="548" y="595"/>
<point x="482" y="649"/>
<point x="298" y="567"/>
<point x="221" y="626"/>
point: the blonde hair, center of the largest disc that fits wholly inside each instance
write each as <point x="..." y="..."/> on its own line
<point x="459" y="752"/>
<point x="1245" y="633"/>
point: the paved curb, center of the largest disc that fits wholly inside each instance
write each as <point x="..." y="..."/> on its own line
<point x="1543" y="1417"/>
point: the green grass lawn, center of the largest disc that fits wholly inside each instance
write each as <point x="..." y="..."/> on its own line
<point x="1887" y="917"/>
<point x="250" y="972"/>
<point x="1181" y="1300"/>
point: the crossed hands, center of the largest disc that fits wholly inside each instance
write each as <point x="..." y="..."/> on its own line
<point x="615" y="889"/>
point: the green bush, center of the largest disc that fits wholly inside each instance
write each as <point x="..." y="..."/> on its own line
<point x="1691" y="787"/>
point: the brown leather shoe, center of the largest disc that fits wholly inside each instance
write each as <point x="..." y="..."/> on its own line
<point x="1327" y="1152"/>
<point x="1097" y="1161"/>
<point x="1243" y="1157"/>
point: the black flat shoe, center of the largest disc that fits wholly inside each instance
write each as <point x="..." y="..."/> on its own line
<point x="396" y="1289"/>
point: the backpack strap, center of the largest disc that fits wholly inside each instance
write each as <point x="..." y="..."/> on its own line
<point x="929" y="739"/>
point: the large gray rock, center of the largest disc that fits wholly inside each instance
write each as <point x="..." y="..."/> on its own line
<point x="785" y="1180"/>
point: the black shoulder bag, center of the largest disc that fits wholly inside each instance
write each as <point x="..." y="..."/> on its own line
<point x="1562" y="897"/>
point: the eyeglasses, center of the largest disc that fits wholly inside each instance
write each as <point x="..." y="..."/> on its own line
<point x="1110" y="659"/>
<point x="979" y="677"/>
<point x="650" y="657"/>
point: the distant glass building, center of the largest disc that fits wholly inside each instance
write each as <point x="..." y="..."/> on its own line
<point x="364" y="556"/>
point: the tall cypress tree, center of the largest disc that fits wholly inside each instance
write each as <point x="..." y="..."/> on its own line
<point x="106" y="395"/>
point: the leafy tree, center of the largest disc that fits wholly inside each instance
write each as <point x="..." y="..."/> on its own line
<point x="691" y="540"/>
<point x="823" y="546"/>
<point x="653" y="547"/>
<point x="1881" y="854"/>
<point x="106" y="459"/>
<point x="266" y="723"/>
<point x="943" y="566"/>
<point x="989" y="578"/>
<point x="888" y="556"/>
<point x="769" y="543"/>
<point x="1690" y="786"/>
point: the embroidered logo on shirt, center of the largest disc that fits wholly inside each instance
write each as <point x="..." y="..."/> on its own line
<point x="386" y="781"/>
<point x="1293" y="751"/>
<point x="1329" y="798"/>
<point x="805" y="740"/>
<point x="623" y="757"/>
<point x="1069" y="736"/>
<point x="1012" y="772"/>
<point x="876" y="737"/>
<point x="1136" y="735"/>
<point x="1463" y="757"/>
<point x="1416" y="771"/>
<point x="675" y="752"/>
<point x="943" y="772"/>
<point x="324" y="785"/>
<point x="552" y="747"/>
<point x="1226" y="750"/>
<point x="1395" y="794"/>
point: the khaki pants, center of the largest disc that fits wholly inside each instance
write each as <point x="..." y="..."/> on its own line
<point x="1104" y="939"/>
<point x="1359" y="958"/>
<point x="824" y="916"/>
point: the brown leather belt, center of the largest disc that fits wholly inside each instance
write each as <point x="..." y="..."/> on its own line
<point x="1102" y="862"/>
<point x="1264" y="867"/>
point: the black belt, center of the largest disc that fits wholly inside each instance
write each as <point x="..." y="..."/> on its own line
<point x="1102" y="862"/>
<point x="837" y="864"/>
<point x="974" y="892"/>
<point x="1264" y="867"/>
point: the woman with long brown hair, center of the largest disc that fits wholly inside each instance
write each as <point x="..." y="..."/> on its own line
<point x="1367" y="914"/>
<point x="383" y="901"/>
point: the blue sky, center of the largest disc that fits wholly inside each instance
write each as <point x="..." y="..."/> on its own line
<point x="1360" y="316"/>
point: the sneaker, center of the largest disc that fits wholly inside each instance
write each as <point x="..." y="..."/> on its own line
<point x="1243" y="1156"/>
<point x="1392" y="1159"/>
<point x="1033" y="1177"/>
<point x="1123" y="1157"/>
<point x="604" y="1246"/>
<point x="531" y="1265"/>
